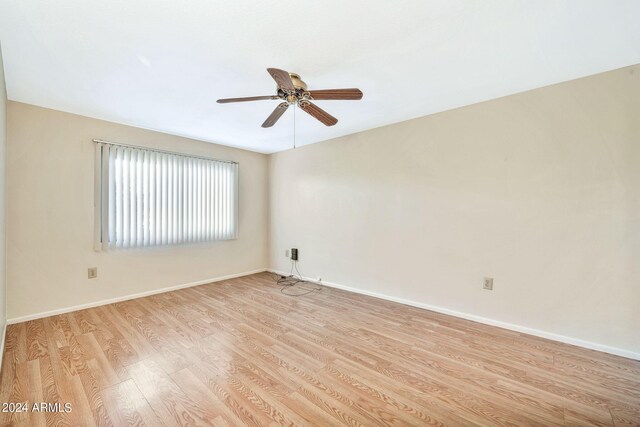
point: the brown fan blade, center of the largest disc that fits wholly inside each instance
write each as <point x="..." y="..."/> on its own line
<point x="282" y="78"/>
<point x="342" y="94"/>
<point x="277" y="113"/>
<point x="318" y="113"/>
<point x="250" y="98"/>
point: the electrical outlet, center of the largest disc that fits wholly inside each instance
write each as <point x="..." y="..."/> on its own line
<point x="294" y="254"/>
<point x="92" y="272"/>
<point x="286" y="253"/>
<point x="488" y="283"/>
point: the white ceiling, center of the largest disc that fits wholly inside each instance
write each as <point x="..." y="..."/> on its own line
<point x="162" y="64"/>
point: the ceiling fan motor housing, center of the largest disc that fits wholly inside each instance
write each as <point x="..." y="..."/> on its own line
<point x="297" y="82"/>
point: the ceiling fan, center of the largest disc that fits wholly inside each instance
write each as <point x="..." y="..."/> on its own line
<point x="293" y="91"/>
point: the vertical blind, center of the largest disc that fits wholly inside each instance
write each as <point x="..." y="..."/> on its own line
<point x="151" y="198"/>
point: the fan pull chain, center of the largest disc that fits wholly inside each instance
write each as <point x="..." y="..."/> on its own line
<point x="294" y="125"/>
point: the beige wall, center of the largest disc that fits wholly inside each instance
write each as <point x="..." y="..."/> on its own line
<point x="50" y="165"/>
<point x="540" y="190"/>
<point x="3" y="145"/>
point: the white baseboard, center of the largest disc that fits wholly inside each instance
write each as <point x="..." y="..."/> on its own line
<point x="4" y="335"/>
<point x="517" y="328"/>
<point x="126" y="298"/>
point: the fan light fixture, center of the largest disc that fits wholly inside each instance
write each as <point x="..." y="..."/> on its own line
<point x="291" y="90"/>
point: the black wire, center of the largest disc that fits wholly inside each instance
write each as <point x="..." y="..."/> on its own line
<point x="282" y="290"/>
<point x="290" y="280"/>
<point x="295" y="264"/>
<point x="293" y="280"/>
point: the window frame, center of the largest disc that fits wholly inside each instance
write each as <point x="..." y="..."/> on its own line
<point x="101" y="199"/>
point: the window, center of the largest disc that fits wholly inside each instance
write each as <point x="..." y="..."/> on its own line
<point x="150" y="198"/>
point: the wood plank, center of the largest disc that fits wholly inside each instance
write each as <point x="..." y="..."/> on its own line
<point x="128" y="407"/>
<point x="36" y="339"/>
<point x="168" y="401"/>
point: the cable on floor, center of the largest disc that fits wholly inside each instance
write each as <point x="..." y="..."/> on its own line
<point x="292" y="280"/>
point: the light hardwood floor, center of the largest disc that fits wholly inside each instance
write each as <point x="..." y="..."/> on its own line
<point x="240" y="352"/>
